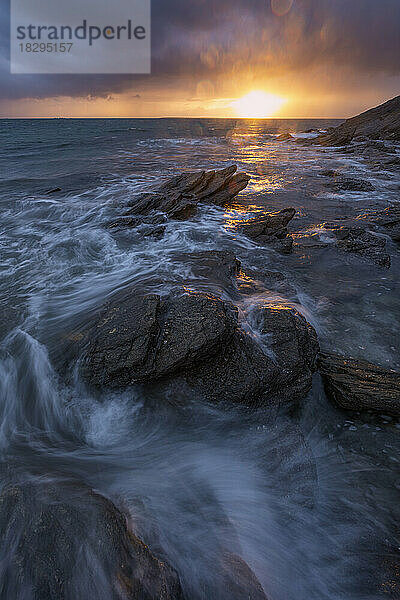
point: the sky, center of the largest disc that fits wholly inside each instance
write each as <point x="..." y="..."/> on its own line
<point x="321" y="58"/>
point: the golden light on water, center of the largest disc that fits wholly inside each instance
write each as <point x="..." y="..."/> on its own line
<point x="258" y="105"/>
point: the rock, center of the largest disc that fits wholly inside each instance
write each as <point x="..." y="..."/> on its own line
<point x="330" y="173"/>
<point x="145" y="338"/>
<point x="253" y="281"/>
<point x="350" y="184"/>
<point x="178" y="197"/>
<point x="270" y="229"/>
<point x="66" y="541"/>
<point x="382" y="123"/>
<point x="195" y="339"/>
<point x="219" y="267"/>
<point x="294" y="344"/>
<point x="389" y="219"/>
<point x="361" y="242"/>
<point x="285" y="137"/>
<point x="359" y="385"/>
<point x="238" y="580"/>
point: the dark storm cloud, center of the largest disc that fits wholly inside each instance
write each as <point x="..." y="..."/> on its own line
<point x="207" y="38"/>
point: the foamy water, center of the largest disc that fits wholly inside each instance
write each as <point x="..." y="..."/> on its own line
<point x="308" y="500"/>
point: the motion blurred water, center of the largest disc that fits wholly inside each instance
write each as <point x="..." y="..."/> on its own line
<point x="309" y="500"/>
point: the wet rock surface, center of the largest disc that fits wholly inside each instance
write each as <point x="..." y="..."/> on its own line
<point x="360" y="241"/>
<point x="270" y="229"/>
<point x="389" y="220"/>
<point x="177" y="198"/>
<point x="358" y="385"/>
<point x="341" y="183"/>
<point x="217" y="268"/>
<point x="67" y="541"/>
<point x="294" y="344"/>
<point x="196" y="338"/>
<point x="381" y="123"/>
<point x="244" y="585"/>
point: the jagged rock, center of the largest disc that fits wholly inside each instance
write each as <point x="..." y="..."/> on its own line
<point x="194" y="338"/>
<point x="285" y="137"/>
<point x="178" y="197"/>
<point x="270" y="229"/>
<point x="382" y="123"/>
<point x="361" y="242"/>
<point x="340" y="183"/>
<point x="49" y="530"/>
<point x="359" y="385"/>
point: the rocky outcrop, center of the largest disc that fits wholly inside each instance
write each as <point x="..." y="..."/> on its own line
<point x="177" y="198"/>
<point x="270" y="229"/>
<point x="65" y="541"/>
<point x="380" y="123"/>
<point x="360" y="241"/>
<point x="359" y="385"/>
<point x="195" y="338"/>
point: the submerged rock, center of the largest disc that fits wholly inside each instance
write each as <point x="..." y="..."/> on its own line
<point x="285" y="137"/>
<point x="218" y="267"/>
<point x="195" y="338"/>
<point x="178" y="197"/>
<point x="358" y="240"/>
<point x="382" y="123"/>
<point x="359" y="385"/>
<point x="351" y="184"/>
<point x="389" y="219"/>
<point x="270" y="229"/>
<point x="64" y="541"/>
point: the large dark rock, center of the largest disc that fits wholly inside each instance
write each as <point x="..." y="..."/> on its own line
<point x="359" y="385"/>
<point x="270" y="229"/>
<point x="382" y="123"/>
<point x="294" y="344"/>
<point x="144" y="338"/>
<point x="195" y="338"/>
<point x="178" y="197"/>
<point x="63" y="542"/>
<point x="358" y="240"/>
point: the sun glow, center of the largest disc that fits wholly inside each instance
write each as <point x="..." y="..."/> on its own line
<point x="258" y="105"/>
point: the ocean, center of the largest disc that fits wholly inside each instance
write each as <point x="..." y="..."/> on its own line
<point x="312" y="500"/>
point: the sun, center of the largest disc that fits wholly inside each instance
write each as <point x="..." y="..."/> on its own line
<point x="258" y="105"/>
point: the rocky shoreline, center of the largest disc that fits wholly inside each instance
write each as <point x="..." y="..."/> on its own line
<point x="199" y="342"/>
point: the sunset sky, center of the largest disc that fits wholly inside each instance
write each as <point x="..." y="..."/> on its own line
<point x="310" y="58"/>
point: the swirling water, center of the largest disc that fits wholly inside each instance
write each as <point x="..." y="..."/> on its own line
<point x="309" y="500"/>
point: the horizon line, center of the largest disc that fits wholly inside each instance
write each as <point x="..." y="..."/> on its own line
<point x="178" y="117"/>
